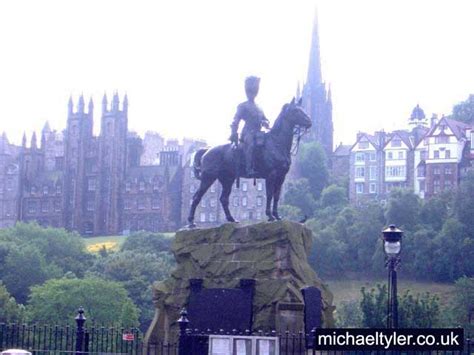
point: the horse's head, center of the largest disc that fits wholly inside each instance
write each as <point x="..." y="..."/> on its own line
<point x="295" y="114"/>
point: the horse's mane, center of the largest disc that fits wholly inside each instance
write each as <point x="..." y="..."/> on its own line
<point x="279" y="121"/>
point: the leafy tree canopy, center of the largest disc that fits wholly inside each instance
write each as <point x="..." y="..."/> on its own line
<point x="312" y="164"/>
<point x="105" y="302"/>
<point x="298" y="194"/>
<point x="464" y="111"/>
<point x="147" y="242"/>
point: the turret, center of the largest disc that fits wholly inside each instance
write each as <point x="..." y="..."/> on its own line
<point x="91" y="106"/>
<point x="104" y="103"/>
<point x="125" y="103"/>
<point x="70" y="105"/>
<point x="23" y="140"/>
<point x="34" y="144"/>
<point x="115" y="102"/>
<point x="80" y="105"/>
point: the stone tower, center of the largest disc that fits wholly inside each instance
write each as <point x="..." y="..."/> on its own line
<point x="317" y="99"/>
<point x="78" y="142"/>
<point x="112" y="162"/>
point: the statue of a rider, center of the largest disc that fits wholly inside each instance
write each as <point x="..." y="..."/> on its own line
<point x="254" y="119"/>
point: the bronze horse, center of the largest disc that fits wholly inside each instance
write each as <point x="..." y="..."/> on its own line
<point x="273" y="162"/>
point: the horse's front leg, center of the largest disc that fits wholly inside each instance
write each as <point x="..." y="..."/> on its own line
<point x="226" y="190"/>
<point x="276" y="195"/>
<point x="269" y="187"/>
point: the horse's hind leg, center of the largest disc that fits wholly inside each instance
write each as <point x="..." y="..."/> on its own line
<point x="270" y="188"/>
<point x="226" y="190"/>
<point x="276" y="195"/>
<point x="206" y="182"/>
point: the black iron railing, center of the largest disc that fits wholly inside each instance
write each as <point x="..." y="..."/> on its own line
<point x="81" y="339"/>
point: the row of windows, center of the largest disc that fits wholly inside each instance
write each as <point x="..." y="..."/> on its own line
<point x="236" y="201"/>
<point x="360" y="172"/>
<point x="395" y="171"/>
<point x="46" y="190"/>
<point x="448" y="170"/>
<point x="362" y="157"/>
<point x="44" y="206"/>
<point x="142" y="186"/>
<point x="243" y="186"/>
<point x="399" y="156"/>
<point x="360" y="188"/>
<point x="142" y="203"/>
<point x="438" y="187"/>
<point x="446" y="155"/>
<point x="244" y="216"/>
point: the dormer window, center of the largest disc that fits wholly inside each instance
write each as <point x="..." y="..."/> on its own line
<point x="441" y="139"/>
<point x="396" y="142"/>
<point x="45" y="190"/>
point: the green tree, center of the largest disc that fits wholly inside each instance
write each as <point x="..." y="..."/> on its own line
<point x="327" y="254"/>
<point x="298" y="194"/>
<point x="348" y="315"/>
<point x="420" y="311"/>
<point x="403" y="209"/>
<point x="464" y="111"/>
<point x="312" y="163"/>
<point x="333" y="196"/>
<point x="59" y="247"/>
<point x="147" y="242"/>
<point x="10" y="311"/>
<point x="434" y="212"/>
<point x="463" y="304"/>
<point x="373" y="306"/>
<point x="137" y="272"/>
<point x="464" y="200"/>
<point x="105" y="302"/>
<point x="450" y="247"/>
<point x="291" y="213"/>
<point x="24" y="267"/>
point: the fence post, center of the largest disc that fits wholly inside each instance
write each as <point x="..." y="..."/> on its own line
<point x="80" y="334"/>
<point x="183" y="325"/>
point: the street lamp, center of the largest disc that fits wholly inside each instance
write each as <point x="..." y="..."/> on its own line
<point x="392" y="246"/>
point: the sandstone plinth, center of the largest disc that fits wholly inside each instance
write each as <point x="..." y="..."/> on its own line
<point x="274" y="254"/>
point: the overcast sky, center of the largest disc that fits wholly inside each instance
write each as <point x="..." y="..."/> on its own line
<point x="183" y="63"/>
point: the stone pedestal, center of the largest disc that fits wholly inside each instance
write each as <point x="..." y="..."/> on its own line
<point x="274" y="254"/>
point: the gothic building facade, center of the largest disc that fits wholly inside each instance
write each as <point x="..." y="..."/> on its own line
<point x="95" y="185"/>
<point x="109" y="184"/>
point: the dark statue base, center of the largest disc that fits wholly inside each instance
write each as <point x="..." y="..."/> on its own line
<point x="273" y="254"/>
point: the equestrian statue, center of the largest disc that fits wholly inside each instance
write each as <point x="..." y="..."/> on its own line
<point x="258" y="155"/>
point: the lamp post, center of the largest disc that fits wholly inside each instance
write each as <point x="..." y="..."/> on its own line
<point x="392" y="245"/>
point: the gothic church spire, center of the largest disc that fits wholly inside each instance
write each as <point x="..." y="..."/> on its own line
<point x="314" y="68"/>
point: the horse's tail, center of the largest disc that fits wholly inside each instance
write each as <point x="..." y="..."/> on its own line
<point x="197" y="163"/>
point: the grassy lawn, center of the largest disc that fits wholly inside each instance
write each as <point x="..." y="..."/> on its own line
<point x="349" y="289"/>
<point x="113" y="242"/>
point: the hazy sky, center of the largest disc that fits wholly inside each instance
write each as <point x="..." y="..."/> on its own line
<point x="183" y="63"/>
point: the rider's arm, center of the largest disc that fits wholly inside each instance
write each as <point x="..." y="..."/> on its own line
<point x="265" y="122"/>
<point x="235" y="124"/>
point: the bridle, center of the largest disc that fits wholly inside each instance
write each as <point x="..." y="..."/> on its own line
<point x="298" y="133"/>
